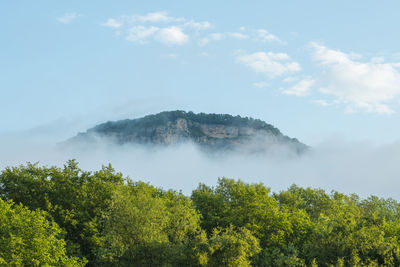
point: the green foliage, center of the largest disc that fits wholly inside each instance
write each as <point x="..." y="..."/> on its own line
<point x="148" y="227"/>
<point x="252" y="207"/>
<point x="140" y="126"/>
<point x="74" y="198"/>
<point x="346" y="231"/>
<point x="230" y="247"/>
<point x="27" y="238"/>
<point x="165" y="117"/>
<point x="273" y="256"/>
<point x="116" y="222"/>
<point x="313" y="201"/>
<point x="188" y="126"/>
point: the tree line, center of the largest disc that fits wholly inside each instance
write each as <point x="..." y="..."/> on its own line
<point x="51" y="216"/>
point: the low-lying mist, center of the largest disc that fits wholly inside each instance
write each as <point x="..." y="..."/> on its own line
<point x="336" y="164"/>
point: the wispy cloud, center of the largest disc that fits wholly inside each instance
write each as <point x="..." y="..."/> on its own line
<point x="141" y="33"/>
<point x="267" y="37"/>
<point x="238" y="35"/>
<point x="269" y="63"/>
<point x="172" y="36"/>
<point x="169" y="36"/>
<point x="260" y="35"/>
<point x="156" y="17"/>
<point x="204" y="25"/>
<point x="172" y="30"/>
<point x="67" y="17"/>
<point x="113" y="23"/>
<point x="361" y="86"/>
<point x="156" y="26"/>
<point x="300" y="88"/>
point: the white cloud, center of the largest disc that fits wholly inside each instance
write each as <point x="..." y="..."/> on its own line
<point x="169" y="36"/>
<point x="271" y="64"/>
<point x="367" y="86"/>
<point x="143" y="28"/>
<point x="301" y="88"/>
<point x="113" y="23"/>
<point x="265" y="36"/>
<point x="172" y="36"/>
<point x="238" y="35"/>
<point x="204" y="25"/>
<point x="218" y="36"/>
<point x="177" y="30"/>
<point x="67" y="17"/>
<point x="155" y="17"/>
<point x="141" y="33"/>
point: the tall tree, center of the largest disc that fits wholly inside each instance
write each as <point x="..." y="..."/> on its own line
<point x="74" y="198"/>
<point x="149" y="227"/>
<point x="27" y="238"/>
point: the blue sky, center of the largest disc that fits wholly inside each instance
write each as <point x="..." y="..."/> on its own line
<point x="311" y="68"/>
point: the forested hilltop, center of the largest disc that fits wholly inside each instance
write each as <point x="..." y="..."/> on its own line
<point x="52" y="216"/>
<point x="212" y="132"/>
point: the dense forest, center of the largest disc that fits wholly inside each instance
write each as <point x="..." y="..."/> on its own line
<point x="224" y="131"/>
<point x="51" y="216"/>
<point x="211" y="133"/>
<point x="169" y="116"/>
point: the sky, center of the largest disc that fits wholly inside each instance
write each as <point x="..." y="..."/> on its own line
<point x="325" y="72"/>
<point x="314" y="69"/>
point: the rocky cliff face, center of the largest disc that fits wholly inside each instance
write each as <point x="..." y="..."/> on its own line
<point x="209" y="131"/>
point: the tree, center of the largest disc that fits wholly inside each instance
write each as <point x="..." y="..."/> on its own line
<point x="145" y="226"/>
<point x="27" y="238"/>
<point x="232" y="247"/>
<point x="250" y="206"/>
<point x="279" y="229"/>
<point x="74" y="198"/>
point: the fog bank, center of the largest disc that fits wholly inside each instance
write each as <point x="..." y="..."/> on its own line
<point x="335" y="164"/>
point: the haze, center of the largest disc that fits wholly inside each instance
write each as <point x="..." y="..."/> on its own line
<point x="335" y="164"/>
<point x="326" y="73"/>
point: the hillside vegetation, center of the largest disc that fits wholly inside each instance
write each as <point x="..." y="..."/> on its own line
<point x="52" y="216"/>
<point x="213" y="132"/>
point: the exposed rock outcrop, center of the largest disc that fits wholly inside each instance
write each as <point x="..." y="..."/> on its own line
<point x="213" y="132"/>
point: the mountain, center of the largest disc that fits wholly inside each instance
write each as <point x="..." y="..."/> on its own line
<point x="212" y="132"/>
